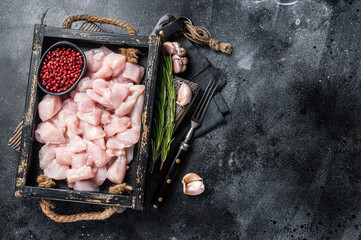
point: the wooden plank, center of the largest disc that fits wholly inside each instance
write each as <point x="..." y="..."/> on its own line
<point x="146" y="125"/>
<point x="97" y="37"/>
<point x="77" y="196"/>
<point x="28" y="120"/>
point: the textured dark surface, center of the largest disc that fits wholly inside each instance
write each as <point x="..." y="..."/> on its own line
<point x="286" y="164"/>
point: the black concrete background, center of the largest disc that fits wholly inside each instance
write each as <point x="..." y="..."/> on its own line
<point x="286" y="164"/>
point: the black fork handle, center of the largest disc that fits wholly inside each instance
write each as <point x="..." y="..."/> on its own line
<point x="167" y="183"/>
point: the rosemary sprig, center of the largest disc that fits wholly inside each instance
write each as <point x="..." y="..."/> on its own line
<point x="165" y="103"/>
<point x="169" y="127"/>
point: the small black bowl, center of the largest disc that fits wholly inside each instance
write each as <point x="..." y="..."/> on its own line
<point x="62" y="44"/>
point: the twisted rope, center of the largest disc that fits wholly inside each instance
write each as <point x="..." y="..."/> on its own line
<point x="47" y="206"/>
<point x="201" y="35"/>
<point x="130" y="54"/>
<point x="69" y="21"/>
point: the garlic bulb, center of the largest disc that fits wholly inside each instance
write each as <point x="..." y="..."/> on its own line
<point x="192" y="184"/>
<point x="184" y="95"/>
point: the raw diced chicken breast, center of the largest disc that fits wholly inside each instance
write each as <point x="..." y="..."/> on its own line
<point x="47" y="133"/>
<point x="72" y="124"/>
<point x="115" y="144"/>
<point x="56" y="171"/>
<point x="129" y="136"/>
<point x="84" y="84"/>
<point x="100" y="176"/>
<point x="104" y="72"/>
<point x="117" y="125"/>
<point x="92" y="117"/>
<point x="94" y="60"/>
<point x="129" y="154"/>
<point x="68" y="109"/>
<point x="84" y="103"/>
<point x="116" y="62"/>
<point x="100" y="143"/>
<point x="101" y="87"/>
<point x="119" y="93"/>
<point x="104" y="49"/>
<point x="98" y="61"/>
<point x="49" y="106"/>
<point x="115" y="152"/>
<point x="63" y="156"/>
<point x="93" y="132"/>
<point x="86" y="186"/>
<point x="59" y="123"/>
<point x="136" y="89"/>
<point x="82" y="173"/>
<point x="136" y="114"/>
<point x="89" y="55"/>
<point x="133" y="72"/>
<point x="46" y="155"/>
<point x="127" y="106"/>
<point x="93" y="95"/>
<point x="97" y="155"/>
<point x="79" y="160"/>
<point x="121" y="79"/>
<point x="105" y="118"/>
<point x="117" y="171"/>
<point x="76" y="143"/>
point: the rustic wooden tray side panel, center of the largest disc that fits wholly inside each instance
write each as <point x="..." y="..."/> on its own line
<point x="136" y="200"/>
<point x="26" y="140"/>
<point x="147" y="120"/>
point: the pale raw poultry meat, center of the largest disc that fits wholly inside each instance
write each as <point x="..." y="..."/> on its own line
<point x="49" y="106"/>
<point x="90" y="135"/>
<point x="47" y="133"/>
<point x="46" y="155"/>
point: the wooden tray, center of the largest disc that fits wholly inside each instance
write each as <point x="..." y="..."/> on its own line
<point x="28" y="166"/>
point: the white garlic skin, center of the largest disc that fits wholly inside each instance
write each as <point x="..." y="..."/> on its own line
<point x="193" y="184"/>
<point x="184" y="95"/>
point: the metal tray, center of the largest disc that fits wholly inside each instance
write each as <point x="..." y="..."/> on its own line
<point x="28" y="166"/>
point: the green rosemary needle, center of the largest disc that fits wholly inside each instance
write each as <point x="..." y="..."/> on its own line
<point x="171" y="95"/>
<point x="165" y="103"/>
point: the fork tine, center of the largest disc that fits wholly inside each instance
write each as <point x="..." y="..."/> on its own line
<point x="208" y="100"/>
<point x="204" y="102"/>
<point x="202" y="99"/>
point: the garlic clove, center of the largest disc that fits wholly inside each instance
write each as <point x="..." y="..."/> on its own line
<point x="168" y="48"/>
<point x="192" y="184"/>
<point x="177" y="64"/>
<point x="191" y="177"/>
<point x="194" y="188"/>
<point x="184" y="60"/>
<point x="182" y="52"/>
<point x="184" y="67"/>
<point x="184" y="96"/>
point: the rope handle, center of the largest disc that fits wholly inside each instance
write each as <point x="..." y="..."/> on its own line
<point x="129" y="53"/>
<point x="69" y="21"/>
<point x="47" y="206"/>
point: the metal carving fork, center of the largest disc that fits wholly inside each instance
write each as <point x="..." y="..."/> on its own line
<point x="198" y="115"/>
